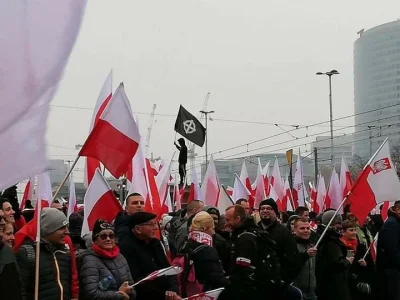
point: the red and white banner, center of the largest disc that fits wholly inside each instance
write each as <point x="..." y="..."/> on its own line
<point x="319" y="204"/>
<point x="170" y="271"/>
<point x="194" y="191"/>
<point x="259" y="188"/>
<point x="240" y="191"/>
<point x="37" y="39"/>
<point x="28" y="193"/>
<point x="210" y="188"/>
<point x="334" y="196"/>
<point x="299" y="191"/>
<point x="210" y="295"/>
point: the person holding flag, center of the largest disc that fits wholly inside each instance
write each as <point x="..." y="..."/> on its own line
<point x="182" y="160"/>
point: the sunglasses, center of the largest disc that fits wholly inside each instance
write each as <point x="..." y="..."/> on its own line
<point x="104" y="236"/>
<point x="137" y="202"/>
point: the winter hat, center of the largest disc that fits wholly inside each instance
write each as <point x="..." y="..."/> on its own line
<point x="100" y="225"/>
<point x="165" y="220"/>
<point x="51" y="219"/>
<point x="271" y="202"/>
<point x="291" y="218"/>
<point x="140" y="217"/>
<point x="212" y="210"/>
<point x="327" y="216"/>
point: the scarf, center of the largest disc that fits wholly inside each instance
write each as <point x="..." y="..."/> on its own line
<point x="365" y="239"/>
<point x="110" y="254"/>
<point x="351" y="245"/>
<point x="201" y="237"/>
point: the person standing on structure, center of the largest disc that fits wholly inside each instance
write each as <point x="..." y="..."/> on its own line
<point x="182" y="160"/>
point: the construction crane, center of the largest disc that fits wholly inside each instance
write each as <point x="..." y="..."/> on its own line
<point x="191" y="152"/>
<point x="149" y="129"/>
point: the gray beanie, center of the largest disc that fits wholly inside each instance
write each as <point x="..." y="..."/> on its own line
<point x="51" y="219"/>
<point x="327" y="216"/>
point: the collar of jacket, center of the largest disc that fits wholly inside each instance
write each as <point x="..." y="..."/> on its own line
<point x="246" y="225"/>
<point x="394" y="215"/>
<point x="302" y="241"/>
<point x="50" y="247"/>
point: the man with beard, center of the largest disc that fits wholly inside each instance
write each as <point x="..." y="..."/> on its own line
<point x="286" y="247"/>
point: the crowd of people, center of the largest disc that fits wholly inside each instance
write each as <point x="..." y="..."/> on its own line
<point x="260" y="254"/>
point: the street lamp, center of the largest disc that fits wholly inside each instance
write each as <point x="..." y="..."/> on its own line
<point x="330" y="74"/>
<point x="206" y="113"/>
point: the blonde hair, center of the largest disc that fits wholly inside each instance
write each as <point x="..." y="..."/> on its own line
<point x="202" y="221"/>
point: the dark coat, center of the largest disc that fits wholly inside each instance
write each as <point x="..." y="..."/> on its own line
<point x="93" y="268"/>
<point x="287" y="251"/>
<point x="388" y="258"/>
<point x="121" y="227"/>
<point x="332" y="268"/>
<point x="144" y="258"/>
<point x="207" y="266"/>
<point x="223" y="248"/>
<point x="10" y="286"/>
<point x="306" y="280"/>
<point x="55" y="270"/>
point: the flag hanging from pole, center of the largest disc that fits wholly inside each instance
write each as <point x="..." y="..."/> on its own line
<point x="189" y="127"/>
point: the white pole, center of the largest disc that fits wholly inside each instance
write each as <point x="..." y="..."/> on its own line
<point x="65" y="178"/>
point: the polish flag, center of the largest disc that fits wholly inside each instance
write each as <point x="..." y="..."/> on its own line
<point x="104" y="97"/>
<point x="153" y="201"/>
<point x="276" y="181"/>
<point x="177" y="197"/>
<point x="313" y="196"/>
<point x="374" y="248"/>
<point x="45" y="193"/>
<point x="194" y="191"/>
<point x="274" y="195"/>
<point x="210" y="188"/>
<point x="299" y="191"/>
<point x="385" y="208"/>
<point x="72" y="205"/>
<point x="210" y="295"/>
<point x="334" y="197"/>
<point x="244" y="177"/>
<point x="167" y="205"/>
<point x="287" y="198"/>
<point x="229" y="190"/>
<point x="321" y="195"/>
<point x="267" y="176"/>
<point x="115" y="138"/>
<point x="28" y="193"/>
<point x="224" y="200"/>
<point x="136" y="175"/>
<point x="240" y="191"/>
<point x="377" y="183"/>
<point x="170" y="271"/>
<point x="99" y="203"/>
<point x="259" y="188"/>
<point x="37" y="39"/>
<point x="162" y="181"/>
<point x="345" y="178"/>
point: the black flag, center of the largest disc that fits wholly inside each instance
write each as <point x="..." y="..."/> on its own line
<point x="189" y="127"/>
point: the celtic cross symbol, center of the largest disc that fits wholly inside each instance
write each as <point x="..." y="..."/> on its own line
<point x="189" y="126"/>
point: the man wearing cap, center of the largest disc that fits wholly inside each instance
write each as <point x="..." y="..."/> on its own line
<point x="332" y="263"/>
<point x="55" y="273"/>
<point x="145" y="254"/>
<point x="285" y="242"/>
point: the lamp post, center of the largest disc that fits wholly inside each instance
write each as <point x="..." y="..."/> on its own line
<point x="206" y="113"/>
<point x="330" y="74"/>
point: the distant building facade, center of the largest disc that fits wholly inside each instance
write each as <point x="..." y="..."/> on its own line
<point x="341" y="145"/>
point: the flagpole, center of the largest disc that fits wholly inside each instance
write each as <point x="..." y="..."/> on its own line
<point x="65" y="178"/>
<point x="370" y="245"/>
<point x="345" y="198"/>
<point x="38" y="213"/>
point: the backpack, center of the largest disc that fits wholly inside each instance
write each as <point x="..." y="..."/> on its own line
<point x="188" y="284"/>
<point x="267" y="268"/>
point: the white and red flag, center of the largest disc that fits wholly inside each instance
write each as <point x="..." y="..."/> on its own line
<point x="244" y="177"/>
<point x="286" y="203"/>
<point x="377" y="183"/>
<point x="170" y="271"/>
<point x="162" y="181"/>
<point x="72" y="205"/>
<point x="91" y="164"/>
<point x="28" y="193"/>
<point x="210" y="295"/>
<point x="99" y="203"/>
<point x="299" y="191"/>
<point x="194" y="191"/>
<point x="153" y="201"/>
<point x="177" y="197"/>
<point x="136" y="176"/>
<point x="210" y="188"/>
<point x="259" y="187"/>
<point x="313" y="195"/>
<point x="240" y="190"/>
<point x="224" y="200"/>
<point x="267" y="177"/>
<point x="276" y="181"/>
<point x="37" y="39"/>
<point x="115" y="137"/>
<point x="345" y="178"/>
<point x="334" y="196"/>
<point x="319" y="204"/>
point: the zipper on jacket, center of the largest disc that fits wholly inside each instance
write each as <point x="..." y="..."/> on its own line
<point x="58" y="279"/>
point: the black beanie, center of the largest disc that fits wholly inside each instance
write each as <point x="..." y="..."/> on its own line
<point x="100" y="225"/>
<point x="271" y="202"/>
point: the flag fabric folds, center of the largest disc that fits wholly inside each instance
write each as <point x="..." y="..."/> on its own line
<point x="189" y="127"/>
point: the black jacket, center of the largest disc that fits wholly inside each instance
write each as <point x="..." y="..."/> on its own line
<point x="121" y="226"/>
<point x="223" y="248"/>
<point x="286" y="249"/>
<point x="10" y="286"/>
<point x="144" y="258"/>
<point x="388" y="257"/>
<point x="207" y="266"/>
<point x="306" y="280"/>
<point x="332" y="268"/>
<point x="92" y="268"/>
<point x="55" y="271"/>
<point x="182" y="159"/>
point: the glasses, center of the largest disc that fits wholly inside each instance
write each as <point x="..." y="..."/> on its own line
<point x="135" y="202"/>
<point x="104" y="236"/>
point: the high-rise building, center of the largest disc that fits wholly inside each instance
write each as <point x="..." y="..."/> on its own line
<point x="376" y="86"/>
<point x="342" y="144"/>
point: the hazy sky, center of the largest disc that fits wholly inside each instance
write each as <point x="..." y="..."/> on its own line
<point x="258" y="60"/>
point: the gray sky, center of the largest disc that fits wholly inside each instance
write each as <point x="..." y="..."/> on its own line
<point x="257" y="58"/>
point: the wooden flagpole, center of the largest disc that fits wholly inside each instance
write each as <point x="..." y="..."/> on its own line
<point x="65" y="178"/>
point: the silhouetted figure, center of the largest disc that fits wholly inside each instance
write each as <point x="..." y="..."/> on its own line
<point x="182" y="160"/>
